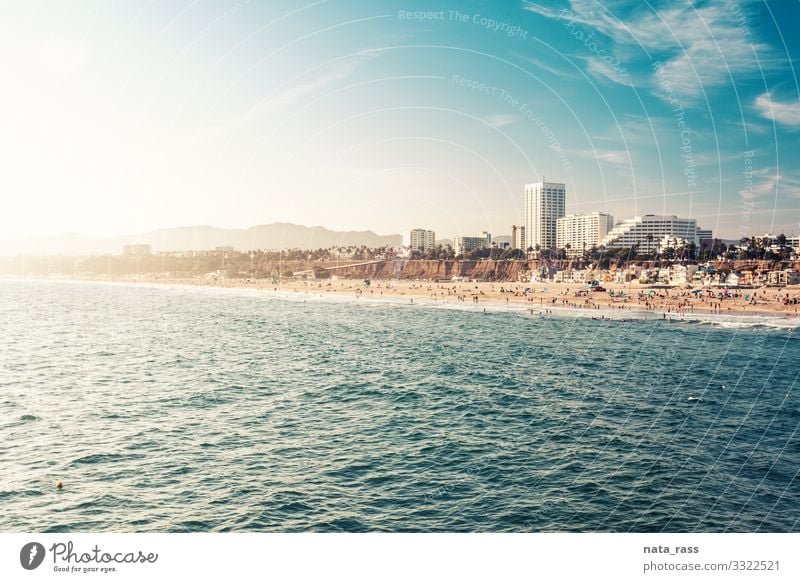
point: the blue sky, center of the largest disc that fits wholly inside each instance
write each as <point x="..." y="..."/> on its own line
<point x="124" y="117"/>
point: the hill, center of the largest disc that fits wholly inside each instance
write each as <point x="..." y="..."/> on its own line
<point x="278" y="235"/>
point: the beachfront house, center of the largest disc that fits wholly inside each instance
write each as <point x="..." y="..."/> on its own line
<point x="307" y="274"/>
<point x="540" y="275"/>
<point x="784" y="277"/>
<point x="628" y="274"/>
<point x="681" y="274"/>
<point x="564" y="276"/>
<point x="648" y="276"/>
<point x="573" y="276"/>
<point x="734" y="279"/>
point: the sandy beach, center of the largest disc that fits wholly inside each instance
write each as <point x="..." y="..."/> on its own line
<point x="670" y="302"/>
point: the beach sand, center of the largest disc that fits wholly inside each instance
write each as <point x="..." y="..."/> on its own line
<point x="672" y="302"/>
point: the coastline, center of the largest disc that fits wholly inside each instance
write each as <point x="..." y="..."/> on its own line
<point x="541" y="299"/>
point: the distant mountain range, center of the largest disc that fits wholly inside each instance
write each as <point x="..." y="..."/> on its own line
<point x="279" y="235"/>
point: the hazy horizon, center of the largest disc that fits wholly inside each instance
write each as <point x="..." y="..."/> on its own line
<point x="129" y="118"/>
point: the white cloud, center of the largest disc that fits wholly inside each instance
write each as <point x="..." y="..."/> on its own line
<point x="767" y="181"/>
<point x="601" y="70"/>
<point x="787" y="113"/>
<point x="619" y="157"/>
<point x="700" y="47"/>
<point x="500" y="119"/>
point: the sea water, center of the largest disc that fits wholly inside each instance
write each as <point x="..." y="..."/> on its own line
<point x="174" y="409"/>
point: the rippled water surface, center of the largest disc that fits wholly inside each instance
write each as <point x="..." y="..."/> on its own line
<point x="181" y="409"/>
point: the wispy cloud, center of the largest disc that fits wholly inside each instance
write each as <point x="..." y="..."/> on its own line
<point x="284" y="97"/>
<point x="287" y="96"/>
<point x="560" y="70"/>
<point x="767" y="181"/>
<point x="619" y="157"/>
<point x="601" y="70"/>
<point x="787" y="113"/>
<point x="500" y="119"/>
<point x="700" y="46"/>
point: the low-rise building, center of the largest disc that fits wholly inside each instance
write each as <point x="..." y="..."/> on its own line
<point x="734" y="279"/>
<point x="680" y="274"/>
<point x="628" y="274"/>
<point x="577" y="276"/>
<point x="784" y="277"/>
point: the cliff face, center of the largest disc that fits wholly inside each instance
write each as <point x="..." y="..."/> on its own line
<point x="489" y="270"/>
<point x="418" y="269"/>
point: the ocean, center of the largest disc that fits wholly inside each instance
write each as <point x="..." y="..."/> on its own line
<point x="181" y="409"/>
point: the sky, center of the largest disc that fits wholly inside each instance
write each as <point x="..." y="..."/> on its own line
<point x="120" y="117"/>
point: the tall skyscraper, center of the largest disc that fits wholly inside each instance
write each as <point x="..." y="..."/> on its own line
<point x="544" y="205"/>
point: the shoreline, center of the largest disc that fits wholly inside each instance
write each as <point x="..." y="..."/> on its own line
<point x="540" y="299"/>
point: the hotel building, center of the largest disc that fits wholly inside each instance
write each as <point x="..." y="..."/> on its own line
<point x="580" y="232"/>
<point x="647" y="232"/>
<point x="544" y="205"/>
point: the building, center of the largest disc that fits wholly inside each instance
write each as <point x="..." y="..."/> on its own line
<point x="465" y="244"/>
<point x="771" y="240"/>
<point x="420" y="240"/>
<point x="704" y="235"/>
<point x="646" y="232"/>
<point x="224" y="249"/>
<point x="580" y="232"/>
<point x="518" y="237"/>
<point x="544" y="205"/>
<point x="784" y="277"/>
<point x="137" y="251"/>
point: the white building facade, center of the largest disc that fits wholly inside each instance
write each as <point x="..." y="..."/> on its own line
<point x="580" y="232"/>
<point x="518" y="237"/>
<point x="420" y="240"/>
<point x="544" y="205"/>
<point x="647" y="232"/>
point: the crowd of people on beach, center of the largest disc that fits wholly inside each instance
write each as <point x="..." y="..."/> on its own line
<point x="677" y="301"/>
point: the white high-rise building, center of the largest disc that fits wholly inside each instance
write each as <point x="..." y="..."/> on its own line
<point x="544" y="205"/>
<point x="580" y="232"/>
<point x="420" y="240"/>
<point x="647" y="232"/>
<point x="518" y="237"/>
